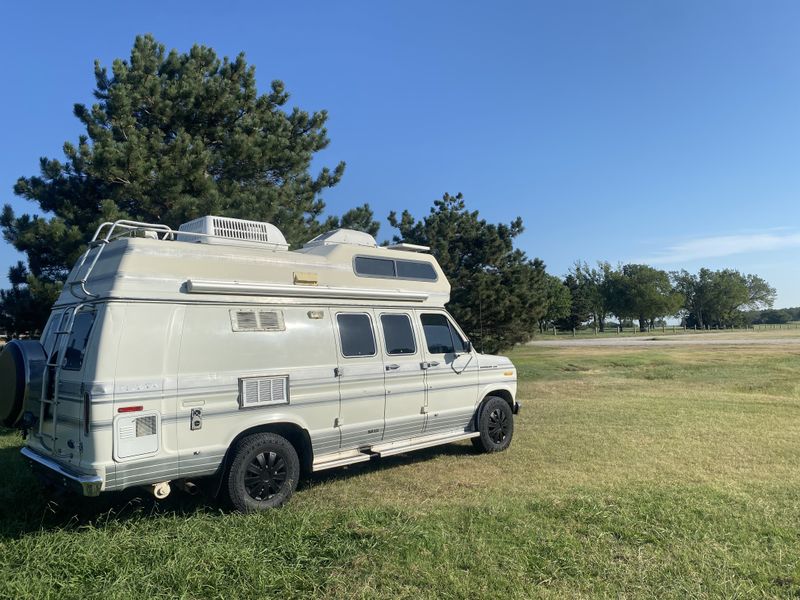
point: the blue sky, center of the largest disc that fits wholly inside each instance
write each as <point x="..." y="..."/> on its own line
<point x="662" y="132"/>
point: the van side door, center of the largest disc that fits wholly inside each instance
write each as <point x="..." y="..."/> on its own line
<point x="451" y="374"/>
<point x="360" y="373"/>
<point x="404" y="376"/>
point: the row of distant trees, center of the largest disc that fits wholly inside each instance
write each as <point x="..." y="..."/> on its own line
<point x="646" y="295"/>
<point x="773" y="316"/>
<point x="174" y="136"/>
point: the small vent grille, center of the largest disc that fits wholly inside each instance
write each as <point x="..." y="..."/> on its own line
<point x="241" y="230"/>
<point x="246" y="320"/>
<point x="226" y="230"/>
<point x="136" y="435"/>
<point x="146" y="426"/>
<point x="261" y="391"/>
<point x="263" y="320"/>
<point x="270" y="320"/>
<point x="127" y="430"/>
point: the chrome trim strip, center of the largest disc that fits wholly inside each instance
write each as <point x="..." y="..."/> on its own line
<point x="90" y="484"/>
<point x="243" y="288"/>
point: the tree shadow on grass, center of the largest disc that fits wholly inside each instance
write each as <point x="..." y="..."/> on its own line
<point x="27" y="507"/>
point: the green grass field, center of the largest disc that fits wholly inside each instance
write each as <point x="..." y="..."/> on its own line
<point x="663" y="472"/>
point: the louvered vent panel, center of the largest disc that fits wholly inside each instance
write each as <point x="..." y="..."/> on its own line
<point x="261" y="391"/>
<point x="127" y="430"/>
<point x="246" y="320"/>
<point x="270" y="320"/>
<point x="136" y="435"/>
<point x="263" y="320"/>
<point x="241" y="230"/>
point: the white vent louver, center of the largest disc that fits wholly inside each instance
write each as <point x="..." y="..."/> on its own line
<point x="257" y="320"/>
<point x="263" y="391"/>
<point x="225" y="230"/>
<point x="136" y="435"/>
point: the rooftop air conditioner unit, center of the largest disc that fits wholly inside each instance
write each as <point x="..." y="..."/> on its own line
<point x="237" y="232"/>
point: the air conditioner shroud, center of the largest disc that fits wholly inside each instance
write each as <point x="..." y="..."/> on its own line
<point x="230" y="231"/>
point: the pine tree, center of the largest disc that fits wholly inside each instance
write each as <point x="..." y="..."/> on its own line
<point x="498" y="295"/>
<point x="172" y="137"/>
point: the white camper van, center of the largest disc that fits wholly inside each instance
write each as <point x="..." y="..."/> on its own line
<point x="213" y="350"/>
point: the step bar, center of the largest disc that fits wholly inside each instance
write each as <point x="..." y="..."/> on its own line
<point x="349" y="457"/>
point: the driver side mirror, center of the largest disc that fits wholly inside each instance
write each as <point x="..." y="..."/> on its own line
<point x="467" y="346"/>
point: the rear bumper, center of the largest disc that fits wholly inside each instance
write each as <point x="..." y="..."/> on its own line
<point x="87" y="485"/>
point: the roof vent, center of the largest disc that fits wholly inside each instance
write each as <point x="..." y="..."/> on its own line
<point x="238" y="232"/>
<point x="343" y="236"/>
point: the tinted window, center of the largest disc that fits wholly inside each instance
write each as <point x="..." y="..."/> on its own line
<point x="78" y="338"/>
<point x="415" y="270"/>
<point x="355" y="332"/>
<point x="398" y="334"/>
<point x="437" y="334"/>
<point x="379" y="267"/>
<point x="458" y="343"/>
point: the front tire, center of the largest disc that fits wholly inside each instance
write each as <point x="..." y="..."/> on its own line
<point x="264" y="472"/>
<point x="495" y="424"/>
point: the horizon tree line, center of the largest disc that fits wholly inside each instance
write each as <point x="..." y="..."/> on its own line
<point x="707" y="299"/>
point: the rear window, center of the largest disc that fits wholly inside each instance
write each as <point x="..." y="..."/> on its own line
<point x="355" y="332"/>
<point x="78" y="339"/>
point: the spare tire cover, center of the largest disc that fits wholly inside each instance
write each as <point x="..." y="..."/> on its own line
<point x="22" y="364"/>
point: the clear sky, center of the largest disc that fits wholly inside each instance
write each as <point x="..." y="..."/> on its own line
<point x="660" y="132"/>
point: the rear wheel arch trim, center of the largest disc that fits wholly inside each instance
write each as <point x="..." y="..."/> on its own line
<point x="294" y="433"/>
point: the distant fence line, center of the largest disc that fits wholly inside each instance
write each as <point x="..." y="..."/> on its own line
<point x="555" y="331"/>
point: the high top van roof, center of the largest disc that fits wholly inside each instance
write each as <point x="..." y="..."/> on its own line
<point x="340" y="267"/>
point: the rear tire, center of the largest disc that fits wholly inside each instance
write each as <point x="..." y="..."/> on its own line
<point x="264" y="472"/>
<point x="495" y="424"/>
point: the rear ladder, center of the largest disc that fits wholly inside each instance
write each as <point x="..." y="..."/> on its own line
<point x="52" y="370"/>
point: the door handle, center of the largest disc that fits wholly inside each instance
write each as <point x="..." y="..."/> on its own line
<point x="392" y="367"/>
<point x="428" y="365"/>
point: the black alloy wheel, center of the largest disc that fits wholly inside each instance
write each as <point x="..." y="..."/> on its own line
<point x="495" y="423"/>
<point x="498" y="426"/>
<point x="265" y="476"/>
<point x="264" y="472"/>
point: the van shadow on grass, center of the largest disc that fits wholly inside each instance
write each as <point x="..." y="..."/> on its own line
<point x="379" y="464"/>
<point x="27" y="507"/>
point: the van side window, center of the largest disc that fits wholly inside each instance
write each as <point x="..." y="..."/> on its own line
<point x="412" y="269"/>
<point x="441" y="336"/>
<point x="389" y="268"/>
<point x="78" y="338"/>
<point x="376" y="267"/>
<point x="398" y="334"/>
<point x="355" y="332"/>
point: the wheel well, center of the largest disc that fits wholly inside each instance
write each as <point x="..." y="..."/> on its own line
<point x="296" y="435"/>
<point x="504" y="394"/>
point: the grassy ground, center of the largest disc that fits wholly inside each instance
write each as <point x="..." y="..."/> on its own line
<point x="666" y="472"/>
